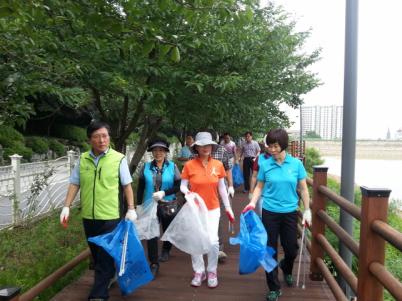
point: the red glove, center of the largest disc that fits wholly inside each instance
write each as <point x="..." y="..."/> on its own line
<point x="229" y="213"/>
<point x="65" y="222"/>
<point x="249" y="207"/>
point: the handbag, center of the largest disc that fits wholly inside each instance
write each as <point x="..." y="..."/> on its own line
<point x="169" y="208"/>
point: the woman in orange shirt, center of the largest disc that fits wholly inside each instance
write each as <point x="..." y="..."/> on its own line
<point x="205" y="176"/>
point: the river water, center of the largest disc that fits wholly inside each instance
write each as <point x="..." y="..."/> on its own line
<point x="373" y="173"/>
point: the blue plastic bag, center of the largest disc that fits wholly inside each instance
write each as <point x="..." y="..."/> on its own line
<point x="136" y="269"/>
<point x="253" y="245"/>
<point x="237" y="175"/>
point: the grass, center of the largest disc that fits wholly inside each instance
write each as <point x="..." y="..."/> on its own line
<point x="29" y="254"/>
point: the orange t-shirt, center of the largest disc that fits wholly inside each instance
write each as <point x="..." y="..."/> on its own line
<point x="204" y="180"/>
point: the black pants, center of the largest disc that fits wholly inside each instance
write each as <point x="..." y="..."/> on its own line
<point x="247" y="171"/>
<point x="165" y="221"/>
<point x="285" y="226"/>
<point x="104" y="263"/>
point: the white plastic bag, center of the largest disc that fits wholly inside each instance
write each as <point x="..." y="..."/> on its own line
<point x="147" y="223"/>
<point x="189" y="229"/>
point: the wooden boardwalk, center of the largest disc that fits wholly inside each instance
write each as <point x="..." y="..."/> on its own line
<point x="173" y="281"/>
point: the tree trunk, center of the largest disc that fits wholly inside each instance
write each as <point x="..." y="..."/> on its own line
<point x="151" y="126"/>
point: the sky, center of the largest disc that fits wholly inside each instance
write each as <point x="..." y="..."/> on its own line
<point x="379" y="96"/>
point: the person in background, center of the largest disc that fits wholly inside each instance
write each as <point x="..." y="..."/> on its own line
<point x="261" y="158"/>
<point x="249" y="150"/>
<point x="185" y="153"/>
<point x="205" y="176"/>
<point x="278" y="179"/>
<point x="230" y="147"/>
<point x="98" y="175"/>
<point x="159" y="180"/>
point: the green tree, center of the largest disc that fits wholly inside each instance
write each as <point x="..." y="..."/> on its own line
<point x="312" y="134"/>
<point x="137" y="64"/>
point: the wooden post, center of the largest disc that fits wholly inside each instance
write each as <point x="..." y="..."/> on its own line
<point x="372" y="246"/>
<point x="9" y="293"/>
<point x="319" y="203"/>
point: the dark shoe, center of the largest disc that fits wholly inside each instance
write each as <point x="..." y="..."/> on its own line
<point x="273" y="295"/>
<point x="287" y="277"/>
<point x="154" y="269"/>
<point x="164" y="256"/>
<point x="96" y="299"/>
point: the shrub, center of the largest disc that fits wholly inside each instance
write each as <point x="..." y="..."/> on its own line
<point x="17" y="148"/>
<point x="9" y="135"/>
<point x="70" y="132"/>
<point x="313" y="157"/>
<point x="38" y="144"/>
<point x="85" y="147"/>
<point x="57" y="147"/>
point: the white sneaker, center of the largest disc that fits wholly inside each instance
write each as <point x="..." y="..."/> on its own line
<point x="198" y="279"/>
<point x="221" y="256"/>
<point x="212" y="280"/>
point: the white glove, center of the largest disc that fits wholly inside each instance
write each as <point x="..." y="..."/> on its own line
<point x="131" y="215"/>
<point x="231" y="191"/>
<point x="65" y="213"/>
<point x="307" y="217"/>
<point x="157" y="196"/>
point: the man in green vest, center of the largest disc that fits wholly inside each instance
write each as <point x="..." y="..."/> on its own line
<point x="98" y="175"/>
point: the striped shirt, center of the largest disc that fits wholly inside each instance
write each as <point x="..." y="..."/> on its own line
<point x="250" y="149"/>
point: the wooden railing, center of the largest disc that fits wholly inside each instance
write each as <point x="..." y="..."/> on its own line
<point x="13" y="294"/>
<point x="370" y="250"/>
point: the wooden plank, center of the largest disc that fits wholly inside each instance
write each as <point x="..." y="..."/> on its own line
<point x="173" y="281"/>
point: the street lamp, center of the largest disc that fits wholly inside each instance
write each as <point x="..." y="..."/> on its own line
<point x="301" y="133"/>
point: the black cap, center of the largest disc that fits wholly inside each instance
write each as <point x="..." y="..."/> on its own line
<point x="158" y="143"/>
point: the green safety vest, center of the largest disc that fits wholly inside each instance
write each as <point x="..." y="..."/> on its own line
<point x="99" y="186"/>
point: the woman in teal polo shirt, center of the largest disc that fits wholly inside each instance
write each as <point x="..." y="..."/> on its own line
<point x="277" y="182"/>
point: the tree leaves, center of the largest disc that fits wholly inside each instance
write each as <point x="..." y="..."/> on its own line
<point x="162" y="59"/>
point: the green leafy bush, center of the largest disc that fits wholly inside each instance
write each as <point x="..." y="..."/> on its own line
<point x="70" y="132"/>
<point x="9" y="136"/>
<point x="57" y="147"/>
<point x="17" y="148"/>
<point x="313" y="157"/>
<point x="85" y="147"/>
<point x="38" y="144"/>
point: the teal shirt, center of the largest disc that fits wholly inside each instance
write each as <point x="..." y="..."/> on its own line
<point x="280" y="183"/>
<point x="185" y="152"/>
